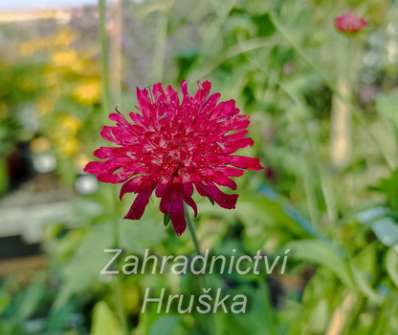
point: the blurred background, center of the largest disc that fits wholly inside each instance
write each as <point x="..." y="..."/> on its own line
<point x="323" y="106"/>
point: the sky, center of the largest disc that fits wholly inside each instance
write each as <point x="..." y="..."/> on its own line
<point x="6" y="5"/>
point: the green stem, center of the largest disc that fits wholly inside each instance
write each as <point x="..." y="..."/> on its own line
<point x="192" y="231"/>
<point x="329" y="198"/>
<point x="105" y="85"/>
<point x="104" y="43"/>
<point x="209" y="324"/>
<point x="160" y="46"/>
<point x="118" y="294"/>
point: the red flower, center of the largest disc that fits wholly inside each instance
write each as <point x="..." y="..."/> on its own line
<point x="172" y="146"/>
<point x="350" y="23"/>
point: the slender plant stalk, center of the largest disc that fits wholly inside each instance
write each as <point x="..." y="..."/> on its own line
<point x="117" y="290"/>
<point x="192" y="231"/>
<point x="330" y="201"/>
<point x="116" y="53"/>
<point x="160" y="46"/>
<point x="209" y="324"/>
<point x="341" y="132"/>
<point x="105" y="85"/>
<point x="195" y="240"/>
<point x="104" y="43"/>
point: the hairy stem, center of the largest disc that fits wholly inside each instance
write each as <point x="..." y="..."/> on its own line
<point x="192" y="231"/>
<point x="209" y="325"/>
<point x="103" y="37"/>
<point x="160" y="46"/>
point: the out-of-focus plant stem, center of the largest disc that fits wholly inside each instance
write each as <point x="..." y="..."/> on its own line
<point x="160" y="46"/>
<point x="116" y="56"/>
<point x="328" y="196"/>
<point x="337" y="324"/>
<point x="104" y="43"/>
<point x="341" y="119"/>
<point x="340" y="143"/>
<point x="105" y="84"/>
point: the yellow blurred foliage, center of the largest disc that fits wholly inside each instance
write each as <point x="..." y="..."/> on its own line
<point x="40" y="144"/>
<point x="69" y="124"/>
<point x="69" y="74"/>
<point x="131" y="297"/>
<point x="45" y="106"/>
<point x="81" y="161"/>
<point x="65" y="58"/>
<point x="65" y="139"/>
<point x="69" y="147"/>
<point x="26" y="84"/>
<point x="88" y="92"/>
<point x="62" y="38"/>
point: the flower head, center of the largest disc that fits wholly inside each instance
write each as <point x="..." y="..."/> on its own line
<point x="350" y="23"/>
<point x="173" y="145"/>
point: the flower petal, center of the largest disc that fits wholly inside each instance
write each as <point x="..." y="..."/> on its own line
<point x="224" y="200"/>
<point x="172" y="205"/>
<point x="138" y="207"/>
<point x="246" y="162"/>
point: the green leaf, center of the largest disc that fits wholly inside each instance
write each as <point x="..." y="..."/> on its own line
<point x="259" y="308"/>
<point x="32" y="297"/>
<point x="386" y="231"/>
<point x="392" y="265"/>
<point x="319" y="316"/>
<point x="84" y="269"/>
<point x="165" y="325"/>
<point x="362" y="282"/>
<point x="386" y="105"/>
<point x="140" y="235"/>
<point x="104" y="322"/>
<point x="269" y="209"/>
<point x="323" y="253"/>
